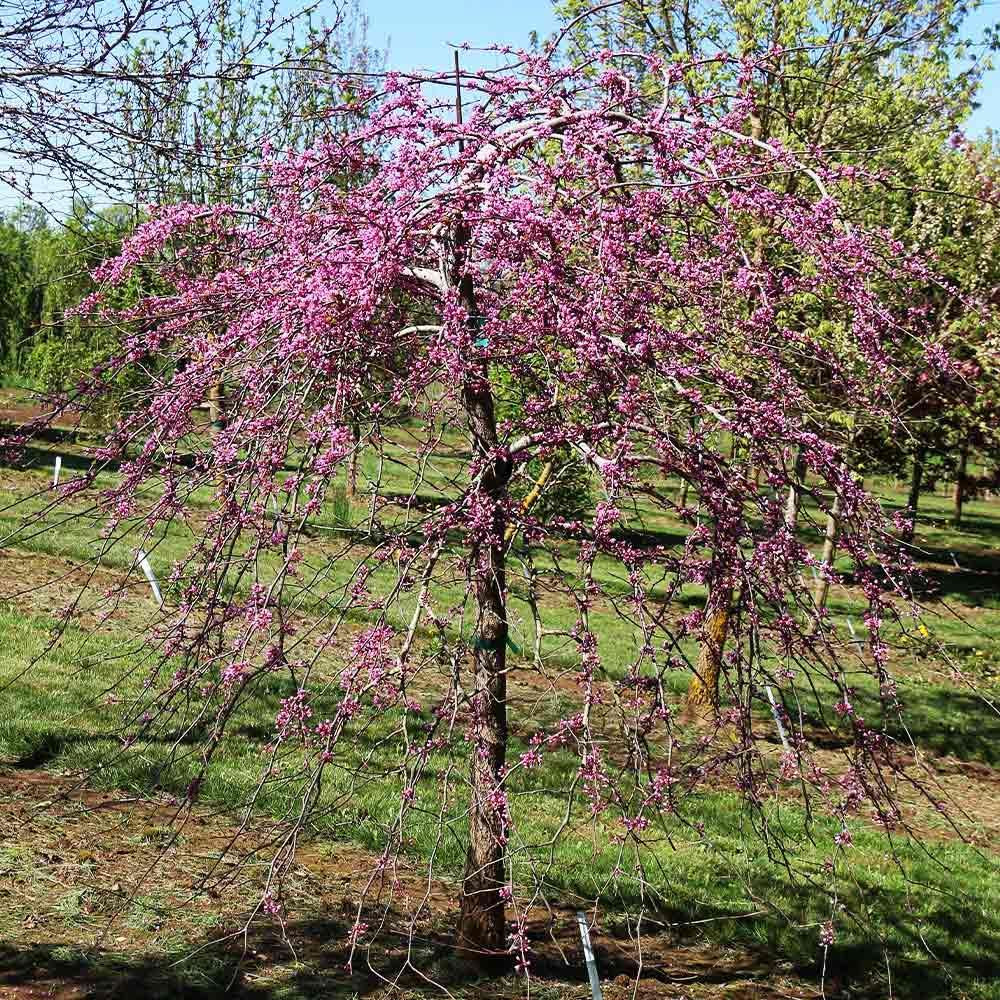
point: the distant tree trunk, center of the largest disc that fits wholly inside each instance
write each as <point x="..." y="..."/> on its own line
<point x="352" y="461"/>
<point x="795" y="489"/>
<point x="960" y="477"/>
<point x="530" y="500"/>
<point x="916" y="482"/>
<point x="702" y="700"/>
<point x="684" y="493"/>
<point x="829" y="554"/>
<point x="217" y="408"/>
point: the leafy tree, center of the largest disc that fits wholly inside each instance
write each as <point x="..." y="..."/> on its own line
<point x="236" y="85"/>
<point x="17" y="293"/>
<point x="283" y="83"/>
<point x="844" y="76"/>
<point x="66" y="346"/>
<point x="846" y="79"/>
<point x="944" y="199"/>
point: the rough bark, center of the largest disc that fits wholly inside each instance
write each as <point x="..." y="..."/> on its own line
<point x="481" y="924"/>
<point x="702" y="702"/>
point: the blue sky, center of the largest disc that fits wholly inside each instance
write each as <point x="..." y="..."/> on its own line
<point x="988" y="114"/>
<point x="419" y="32"/>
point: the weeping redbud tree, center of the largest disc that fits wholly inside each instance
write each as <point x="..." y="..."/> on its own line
<point x="577" y="283"/>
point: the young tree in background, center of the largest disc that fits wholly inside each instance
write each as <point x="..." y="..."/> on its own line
<point x="945" y="199"/>
<point x="206" y="146"/>
<point x="64" y="63"/>
<point x="184" y="116"/>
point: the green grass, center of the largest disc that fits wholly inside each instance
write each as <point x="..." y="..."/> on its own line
<point x="947" y="900"/>
<point x="933" y="909"/>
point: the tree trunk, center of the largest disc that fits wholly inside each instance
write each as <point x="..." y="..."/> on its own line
<point x="916" y="482"/>
<point x="481" y="921"/>
<point x="829" y="553"/>
<point x="702" y="700"/>
<point x="216" y="408"/>
<point x="352" y="462"/>
<point x="963" y="461"/>
<point x="794" y="490"/>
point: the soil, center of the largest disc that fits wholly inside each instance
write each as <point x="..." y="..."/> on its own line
<point x="105" y="893"/>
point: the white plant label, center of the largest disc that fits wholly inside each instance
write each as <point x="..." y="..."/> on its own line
<point x="854" y="635"/>
<point x="56" y="471"/>
<point x="777" y="716"/>
<point x="150" y="576"/>
<point x="588" y="955"/>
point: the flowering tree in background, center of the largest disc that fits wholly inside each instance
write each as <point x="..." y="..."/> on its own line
<point x="590" y="257"/>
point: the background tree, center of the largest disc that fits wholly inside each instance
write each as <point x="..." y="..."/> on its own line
<point x="64" y="64"/>
<point x="943" y="198"/>
<point x="17" y="291"/>
<point x="244" y="79"/>
<point x="851" y="78"/>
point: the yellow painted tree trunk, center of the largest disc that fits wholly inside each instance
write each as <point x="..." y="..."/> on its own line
<point x="702" y="700"/>
<point x="529" y="501"/>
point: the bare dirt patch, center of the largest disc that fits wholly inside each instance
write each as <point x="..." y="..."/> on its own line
<point x="106" y="895"/>
<point x="46" y="584"/>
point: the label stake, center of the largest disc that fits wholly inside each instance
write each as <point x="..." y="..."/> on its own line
<point x="56" y="471"/>
<point x="854" y="635"/>
<point x="777" y="716"/>
<point x="588" y="955"/>
<point x="148" y="570"/>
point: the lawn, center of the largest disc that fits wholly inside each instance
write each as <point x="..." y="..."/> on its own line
<point x="721" y="907"/>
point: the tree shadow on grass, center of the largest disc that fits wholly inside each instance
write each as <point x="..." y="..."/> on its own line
<point x="753" y="956"/>
<point x="970" y="578"/>
<point x="943" y="720"/>
<point x="54" y="969"/>
<point x="946" y="721"/>
<point x="950" y="723"/>
<point x="424" y="966"/>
